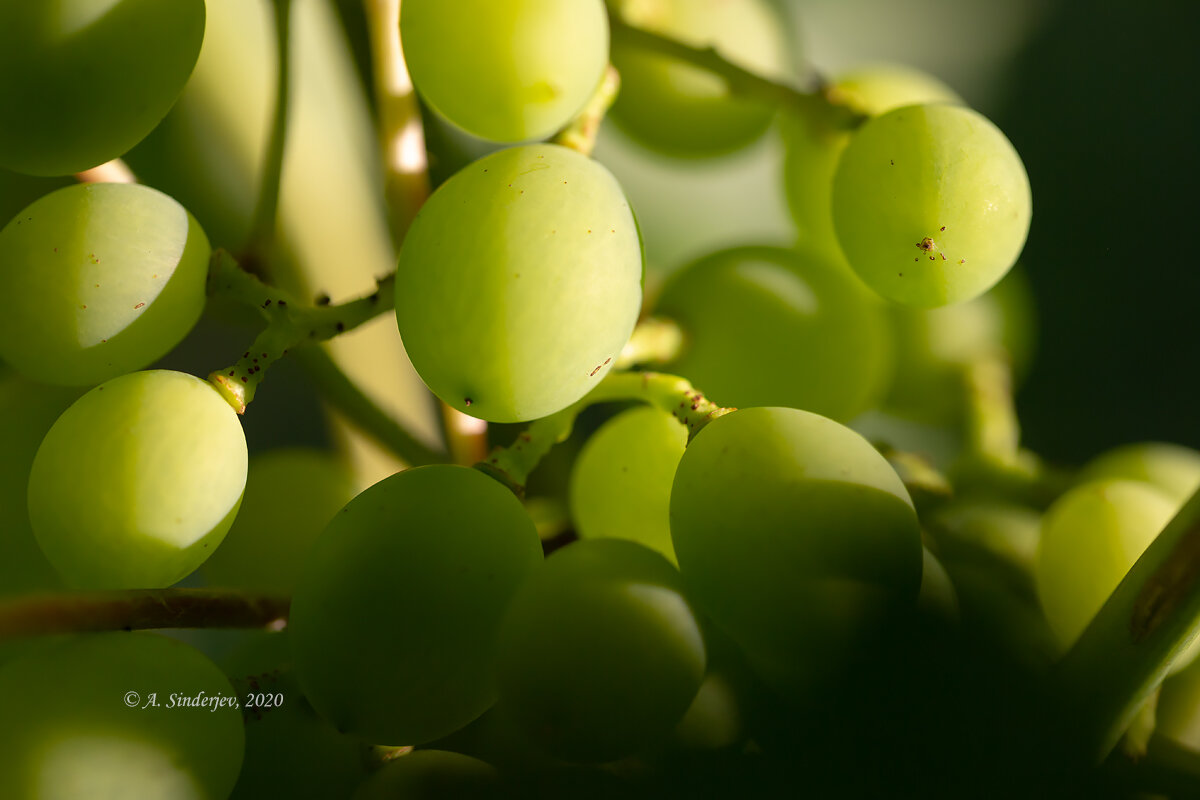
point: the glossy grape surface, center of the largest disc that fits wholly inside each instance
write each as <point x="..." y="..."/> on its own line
<point x="510" y="71"/>
<point x="88" y="79"/>
<point x="795" y="535"/>
<point x="1171" y="468"/>
<point x="519" y="283"/>
<point x="767" y="326"/>
<point x="1091" y="536"/>
<point x="394" y="618"/>
<point x="681" y="109"/>
<point x="97" y="280"/>
<point x="931" y="204"/>
<point x="138" y="481"/>
<point x="813" y="149"/>
<point x="621" y="482"/>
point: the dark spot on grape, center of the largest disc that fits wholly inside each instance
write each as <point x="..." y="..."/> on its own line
<point x="246" y="354"/>
<point x="467" y="401"/>
<point x="943" y="227"/>
<point x="231" y="373"/>
<point x="282" y="303"/>
<point x="901" y="274"/>
<point x="892" y="162"/>
<point x="266" y="303"/>
<point x="962" y="261"/>
<point x="607" y="360"/>
<point x="592" y="374"/>
<point x="126" y="628"/>
<point x="322" y="299"/>
<point x="264" y="355"/>
<point x="139" y="305"/>
<point x="943" y="256"/>
<point x="926" y="244"/>
<point x="244" y="379"/>
<point x="931" y="258"/>
<point x="83" y="306"/>
<point x="917" y="258"/>
<point x="341" y="326"/>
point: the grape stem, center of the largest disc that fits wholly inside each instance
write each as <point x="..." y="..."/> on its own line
<point x="813" y="105"/>
<point x="511" y="465"/>
<point x="140" y="609"/>
<point x="655" y="341"/>
<point x="289" y="323"/>
<point x="1123" y="655"/>
<point x="580" y="134"/>
<point x="401" y="137"/>
<point x="262" y="232"/>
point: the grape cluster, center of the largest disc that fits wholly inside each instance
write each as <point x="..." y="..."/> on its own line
<point x="811" y="540"/>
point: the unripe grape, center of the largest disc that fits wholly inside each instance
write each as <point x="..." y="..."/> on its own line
<point x="621" y="482"/>
<point x="600" y="654"/>
<point x="510" y="71"/>
<point x="138" y="481"/>
<point x="681" y="109"/>
<point x="519" y="283"/>
<point x="97" y="280"/>
<point x="1091" y="536"/>
<point x="394" y="618"/>
<point x="796" y="536"/>
<point x="88" y="80"/>
<point x="767" y="326"/>
<point x="1170" y="468"/>
<point x="931" y="204"/>
<point x="813" y="149"/>
<point x="103" y="716"/>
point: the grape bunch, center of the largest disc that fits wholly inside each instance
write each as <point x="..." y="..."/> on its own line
<point x="524" y="511"/>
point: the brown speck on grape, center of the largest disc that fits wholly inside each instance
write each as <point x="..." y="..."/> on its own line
<point x="266" y="303"/>
<point x="943" y="227"/>
<point x="892" y="162"/>
<point x="231" y="373"/>
<point x="962" y="261"/>
<point x="943" y="256"/>
<point x="246" y="354"/>
<point x="322" y="299"/>
<point x="282" y="303"/>
<point x="139" y="305"/>
<point x="341" y="326"/>
<point x="607" y="360"/>
<point x="83" y="306"/>
<point x="592" y="374"/>
<point x="243" y="379"/>
<point x="931" y="258"/>
<point x="467" y="401"/>
<point x="926" y="244"/>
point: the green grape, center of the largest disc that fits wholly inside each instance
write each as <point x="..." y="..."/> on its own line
<point x="138" y="481"/>
<point x="990" y="532"/>
<point x="770" y="327"/>
<point x="931" y="204"/>
<point x="27" y="410"/>
<point x="1091" y="536"/>
<point x="684" y="110"/>
<point x="812" y="149"/>
<point x="509" y="71"/>
<point x="937" y="597"/>
<point x="1177" y="716"/>
<point x="934" y="347"/>
<point x="600" y="654"/>
<point x="88" y="79"/>
<point x="117" y="715"/>
<point x="291" y="495"/>
<point x="621" y="483"/>
<point x="395" y="614"/>
<point x="431" y="775"/>
<point x="290" y="750"/>
<point x="1171" y="468"/>
<point x="796" y="536"/>
<point x="519" y="283"/>
<point x="98" y="280"/>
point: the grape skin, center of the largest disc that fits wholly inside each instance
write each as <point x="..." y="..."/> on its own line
<point x="138" y="481"/>
<point x="113" y="68"/>
<point x="767" y="326"/>
<point x="813" y="150"/>
<point x="621" y="482"/>
<point x="291" y="495"/>
<point x="70" y="729"/>
<point x="523" y="68"/>
<point x="519" y="283"/>
<point x="98" y="280"/>
<point x="931" y="204"/>
<point x="1171" y="468"/>
<point x="681" y="110"/>
<point x="1091" y="536"/>
<point x="600" y="654"/>
<point x="393" y="620"/>
<point x="795" y="535"/>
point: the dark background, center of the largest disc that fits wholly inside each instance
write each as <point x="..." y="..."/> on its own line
<point x="1102" y="105"/>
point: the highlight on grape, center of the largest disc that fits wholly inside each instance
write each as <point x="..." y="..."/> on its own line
<point x="642" y="417"/>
